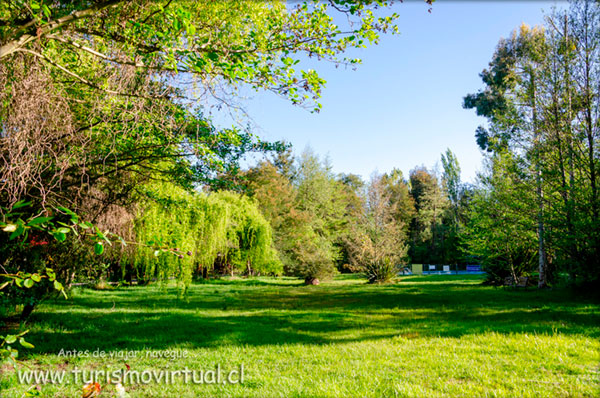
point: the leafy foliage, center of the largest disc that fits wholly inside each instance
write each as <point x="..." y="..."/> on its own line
<point x="181" y="233"/>
<point x="379" y="238"/>
<point x="540" y="98"/>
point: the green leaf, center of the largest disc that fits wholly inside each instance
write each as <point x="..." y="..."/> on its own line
<point x="19" y="204"/>
<point x="39" y="220"/>
<point x="23" y="333"/>
<point x="25" y="343"/>
<point x="10" y="339"/>
<point x="103" y="236"/>
<point x="64" y="230"/>
<point x="59" y="236"/>
<point x="51" y="274"/>
<point x="58" y="285"/>
<point x="19" y="231"/>
<point x="46" y="11"/>
<point x="98" y="248"/>
<point x="36" y="278"/>
<point x="28" y="283"/>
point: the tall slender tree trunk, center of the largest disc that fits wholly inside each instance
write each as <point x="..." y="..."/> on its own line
<point x="542" y="268"/>
<point x="589" y="131"/>
<point x="568" y="198"/>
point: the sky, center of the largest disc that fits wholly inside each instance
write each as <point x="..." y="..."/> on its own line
<point x="403" y="106"/>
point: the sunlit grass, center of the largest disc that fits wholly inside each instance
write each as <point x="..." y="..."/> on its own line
<point x="421" y="337"/>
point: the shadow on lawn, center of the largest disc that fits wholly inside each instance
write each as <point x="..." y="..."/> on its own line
<point x="246" y="314"/>
<point x="287" y="282"/>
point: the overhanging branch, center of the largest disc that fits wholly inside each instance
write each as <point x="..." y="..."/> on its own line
<point x="16" y="44"/>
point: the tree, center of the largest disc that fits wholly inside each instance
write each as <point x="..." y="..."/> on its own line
<point x="541" y="89"/>
<point x="200" y="232"/>
<point x="283" y="161"/>
<point x="353" y="197"/>
<point x="254" y="43"/>
<point x="451" y="178"/>
<point x="427" y="228"/>
<point x="398" y="191"/>
<point x="95" y="93"/>
<point x="514" y="110"/>
<point x="98" y="98"/>
<point x="581" y="47"/>
<point x="379" y="238"/>
<point x="499" y="231"/>
<point x="320" y="196"/>
<point x="276" y="198"/>
<point x="452" y="185"/>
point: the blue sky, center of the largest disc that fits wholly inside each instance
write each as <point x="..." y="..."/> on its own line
<point x="403" y="106"/>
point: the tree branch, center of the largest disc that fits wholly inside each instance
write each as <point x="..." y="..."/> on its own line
<point x="84" y="80"/>
<point x="14" y="45"/>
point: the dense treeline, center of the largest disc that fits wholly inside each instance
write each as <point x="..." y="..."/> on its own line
<point x="538" y="202"/>
<point x="325" y="222"/>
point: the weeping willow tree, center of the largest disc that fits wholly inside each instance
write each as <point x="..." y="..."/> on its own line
<point x="249" y="236"/>
<point x="181" y="234"/>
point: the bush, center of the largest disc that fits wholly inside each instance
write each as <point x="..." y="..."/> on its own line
<point x="313" y="260"/>
<point x="381" y="271"/>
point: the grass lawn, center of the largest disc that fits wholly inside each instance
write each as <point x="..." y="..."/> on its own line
<point x="425" y="336"/>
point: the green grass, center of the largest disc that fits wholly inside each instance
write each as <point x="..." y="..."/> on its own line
<point x="426" y="336"/>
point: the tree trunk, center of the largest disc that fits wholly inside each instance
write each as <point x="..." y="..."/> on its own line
<point x="568" y="192"/>
<point x="539" y="191"/>
<point x="27" y="310"/>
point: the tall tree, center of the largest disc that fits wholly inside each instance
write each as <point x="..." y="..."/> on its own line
<point x="541" y="100"/>
<point x="276" y="198"/>
<point x="451" y="177"/>
<point x="398" y="190"/>
<point x="499" y="231"/>
<point x="321" y="195"/>
<point x="427" y="229"/>
<point x="513" y="109"/>
<point x="379" y="238"/>
<point x="452" y="185"/>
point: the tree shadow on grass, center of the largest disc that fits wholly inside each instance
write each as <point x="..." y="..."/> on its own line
<point x="234" y="314"/>
<point x="286" y="282"/>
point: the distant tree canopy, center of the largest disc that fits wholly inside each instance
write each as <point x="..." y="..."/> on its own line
<point x="307" y="213"/>
<point x="323" y="221"/>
